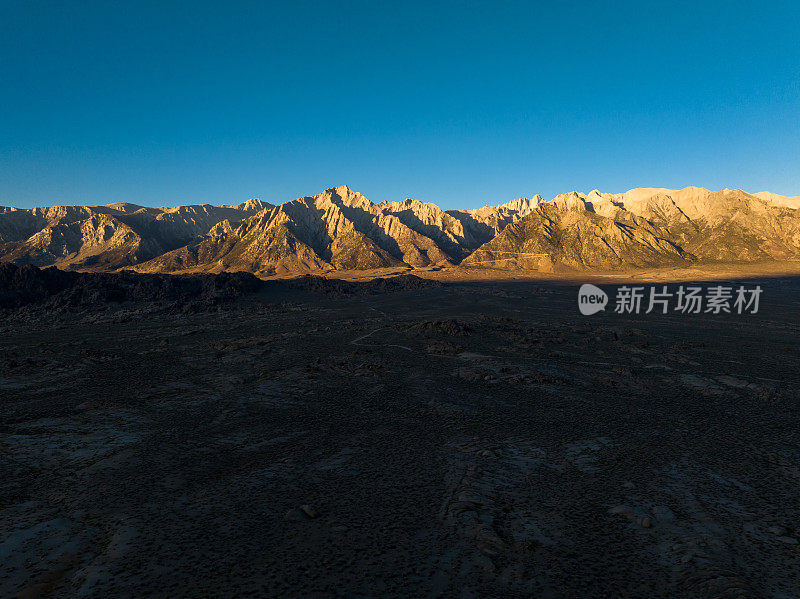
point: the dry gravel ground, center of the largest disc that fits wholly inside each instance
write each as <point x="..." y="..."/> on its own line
<point x="473" y="440"/>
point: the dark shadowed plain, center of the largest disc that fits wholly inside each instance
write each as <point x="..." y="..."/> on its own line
<point x="218" y="435"/>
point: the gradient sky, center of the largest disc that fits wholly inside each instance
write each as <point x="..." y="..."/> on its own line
<point x="458" y="103"/>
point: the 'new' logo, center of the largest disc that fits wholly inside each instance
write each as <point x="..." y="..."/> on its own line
<point x="591" y="299"/>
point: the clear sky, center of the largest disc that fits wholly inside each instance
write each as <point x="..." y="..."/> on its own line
<point x="458" y="103"/>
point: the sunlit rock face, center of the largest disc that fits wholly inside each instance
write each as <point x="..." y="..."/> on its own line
<point x="106" y="237"/>
<point x="340" y="229"/>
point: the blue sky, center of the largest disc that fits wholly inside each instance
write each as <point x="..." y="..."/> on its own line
<point x="458" y="103"/>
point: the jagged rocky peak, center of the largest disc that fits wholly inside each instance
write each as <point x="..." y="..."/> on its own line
<point x="522" y="204"/>
<point x="605" y="204"/>
<point x="345" y="195"/>
<point x="572" y="200"/>
<point x="426" y="211"/>
<point x="404" y="204"/>
<point x="253" y="205"/>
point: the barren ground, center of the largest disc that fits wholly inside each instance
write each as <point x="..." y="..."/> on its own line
<point x="480" y="439"/>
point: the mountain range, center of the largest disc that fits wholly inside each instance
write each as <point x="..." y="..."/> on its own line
<point x="340" y="229"/>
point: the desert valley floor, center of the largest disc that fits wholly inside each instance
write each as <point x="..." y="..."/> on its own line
<point x="422" y="439"/>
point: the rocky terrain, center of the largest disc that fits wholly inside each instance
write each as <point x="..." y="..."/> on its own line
<point x="646" y="228"/>
<point x="212" y="436"/>
<point x="341" y="230"/>
<point x="104" y="238"/>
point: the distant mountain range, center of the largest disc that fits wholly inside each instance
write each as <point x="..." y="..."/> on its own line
<point x="341" y="229"/>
